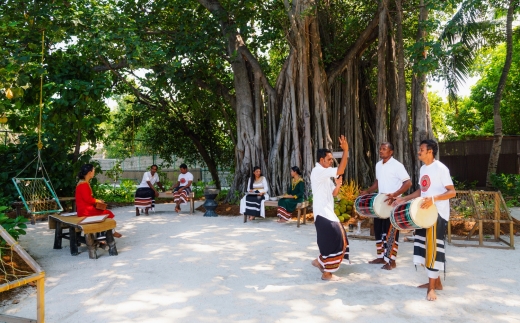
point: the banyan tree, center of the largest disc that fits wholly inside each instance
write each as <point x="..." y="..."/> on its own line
<point x="344" y="73"/>
<point x="289" y="76"/>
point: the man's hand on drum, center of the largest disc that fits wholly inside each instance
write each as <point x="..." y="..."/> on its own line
<point x="427" y="202"/>
<point x="390" y="198"/>
<point x="398" y="200"/>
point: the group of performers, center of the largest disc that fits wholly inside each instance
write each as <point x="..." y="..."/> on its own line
<point x="436" y="187"/>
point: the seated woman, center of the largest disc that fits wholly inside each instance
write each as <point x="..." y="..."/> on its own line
<point x="85" y="202"/>
<point x="294" y="195"/>
<point x="252" y="204"/>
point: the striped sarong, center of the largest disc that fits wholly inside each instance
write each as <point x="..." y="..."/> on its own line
<point x="391" y="244"/>
<point x="282" y="213"/>
<point x="332" y="243"/>
<point x="144" y="198"/>
<point x="429" y="247"/>
<point x="254" y="204"/>
<point x="386" y="239"/>
<point x="183" y="196"/>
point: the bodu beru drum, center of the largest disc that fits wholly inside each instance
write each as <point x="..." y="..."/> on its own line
<point x="409" y="215"/>
<point x="373" y="206"/>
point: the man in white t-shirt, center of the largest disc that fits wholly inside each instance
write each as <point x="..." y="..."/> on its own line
<point x="146" y="192"/>
<point x="436" y="187"/>
<point x="331" y="236"/>
<point x="393" y="180"/>
<point x="182" y="190"/>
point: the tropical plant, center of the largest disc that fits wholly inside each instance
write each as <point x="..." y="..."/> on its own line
<point x="509" y="185"/>
<point x="15" y="227"/>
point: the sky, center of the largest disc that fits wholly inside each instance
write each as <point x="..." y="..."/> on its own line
<point x="464" y="88"/>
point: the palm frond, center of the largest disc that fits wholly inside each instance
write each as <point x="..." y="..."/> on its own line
<point x="461" y="38"/>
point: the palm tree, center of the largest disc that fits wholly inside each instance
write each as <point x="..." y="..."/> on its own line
<point x="461" y="38"/>
<point x="497" y="120"/>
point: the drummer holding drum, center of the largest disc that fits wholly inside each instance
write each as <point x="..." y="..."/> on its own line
<point x="436" y="188"/>
<point x="392" y="180"/>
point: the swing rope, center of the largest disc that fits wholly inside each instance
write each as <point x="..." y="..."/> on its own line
<point x="38" y="194"/>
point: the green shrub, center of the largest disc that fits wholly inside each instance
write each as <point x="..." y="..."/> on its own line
<point x="123" y="194"/>
<point x="509" y="185"/>
<point x="15" y="227"/>
<point x="198" y="189"/>
<point x="222" y="195"/>
<point x="463" y="185"/>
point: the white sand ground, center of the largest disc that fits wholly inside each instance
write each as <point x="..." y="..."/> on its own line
<point x="187" y="268"/>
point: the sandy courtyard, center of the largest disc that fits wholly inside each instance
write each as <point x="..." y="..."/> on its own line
<point x="187" y="268"/>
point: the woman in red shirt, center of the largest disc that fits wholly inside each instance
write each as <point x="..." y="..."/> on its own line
<point x="85" y="202"/>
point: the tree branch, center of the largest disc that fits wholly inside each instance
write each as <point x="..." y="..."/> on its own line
<point x="108" y="67"/>
<point x="337" y="67"/>
<point x="219" y="89"/>
<point x="229" y="30"/>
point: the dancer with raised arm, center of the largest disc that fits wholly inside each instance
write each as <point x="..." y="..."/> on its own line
<point x="331" y="236"/>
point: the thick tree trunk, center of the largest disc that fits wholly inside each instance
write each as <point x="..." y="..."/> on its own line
<point x="249" y="150"/>
<point x="381" y="108"/>
<point x="421" y="119"/>
<point x="497" y="120"/>
<point x="399" y="126"/>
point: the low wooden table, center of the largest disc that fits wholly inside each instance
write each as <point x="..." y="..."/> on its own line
<point x="71" y="221"/>
<point x="299" y="207"/>
<point x="169" y="194"/>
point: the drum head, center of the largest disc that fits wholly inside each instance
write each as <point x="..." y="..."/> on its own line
<point x="424" y="218"/>
<point x="381" y="207"/>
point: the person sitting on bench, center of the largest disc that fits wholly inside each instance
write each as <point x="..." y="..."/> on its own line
<point x="146" y="193"/>
<point x="294" y="195"/>
<point x="85" y="202"/>
<point x="182" y="190"/>
<point x="252" y="204"/>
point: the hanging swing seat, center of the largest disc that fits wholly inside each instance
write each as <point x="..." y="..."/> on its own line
<point x="37" y="195"/>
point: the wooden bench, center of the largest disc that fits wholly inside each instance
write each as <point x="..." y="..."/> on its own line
<point x="299" y="207"/>
<point x="63" y="200"/>
<point x="169" y="194"/>
<point x="71" y="221"/>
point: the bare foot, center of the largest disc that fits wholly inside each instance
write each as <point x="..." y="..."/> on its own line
<point x="438" y="284"/>
<point x="177" y="209"/>
<point x="280" y="220"/>
<point x="330" y="277"/>
<point x="377" y="261"/>
<point x="117" y="234"/>
<point x="430" y="295"/>
<point x="389" y="265"/>
<point x="251" y="218"/>
<point x="317" y="264"/>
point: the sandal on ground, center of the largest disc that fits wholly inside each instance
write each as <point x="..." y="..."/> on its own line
<point x="117" y="235"/>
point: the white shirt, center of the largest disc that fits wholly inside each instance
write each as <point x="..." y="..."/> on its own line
<point x="260" y="186"/>
<point x="433" y="181"/>
<point x="147" y="177"/>
<point x="322" y="187"/>
<point x="390" y="175"/>
<point x="184" y="179"/>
